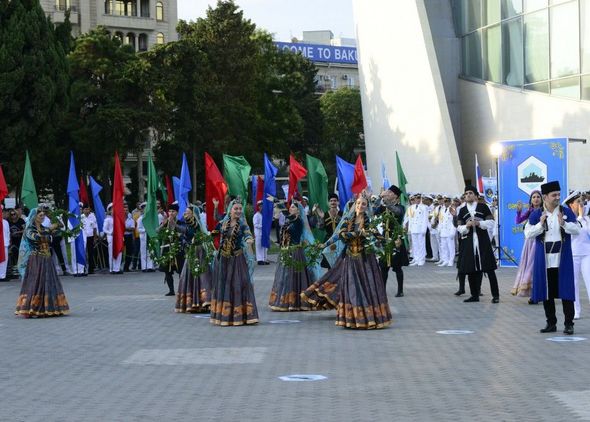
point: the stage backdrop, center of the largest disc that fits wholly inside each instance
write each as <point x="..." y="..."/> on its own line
<point x="523" y="167"/>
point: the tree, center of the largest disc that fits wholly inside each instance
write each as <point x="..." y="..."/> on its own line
<point x="33" y="90"/>
<point x="343" y="125"/>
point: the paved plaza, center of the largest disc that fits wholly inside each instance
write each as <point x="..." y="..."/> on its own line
<point x="124" y="355"/>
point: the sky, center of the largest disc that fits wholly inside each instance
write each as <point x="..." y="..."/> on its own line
<point x="285" y="18"/>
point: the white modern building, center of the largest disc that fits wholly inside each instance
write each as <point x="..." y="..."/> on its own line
<point x="140" y="23"/>
<point x="443" y="80"/>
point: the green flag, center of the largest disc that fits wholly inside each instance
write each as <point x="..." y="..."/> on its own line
<point x="401" y="181"/>
<point x="150" y="214"/>
<point x="236" y="172"/>
<point x="162" y="189"/>
<point x="317" y="182"/>
<point x="28" y="195"/>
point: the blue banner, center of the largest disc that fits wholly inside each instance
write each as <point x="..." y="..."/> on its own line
<point x="523" y="167"/>
<point x="320" y="52"/>
<point x="490" y="188"/>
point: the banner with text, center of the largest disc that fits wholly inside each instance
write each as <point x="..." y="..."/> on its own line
<point x="490" y="188"/>
<point x="523" y="166"/>
<point x="321" y="53"/>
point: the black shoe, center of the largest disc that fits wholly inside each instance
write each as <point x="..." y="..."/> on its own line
<point x="261" y="263"/>
<point x="266" y="263"/>
<point x="569" y="330"/>
<point x="495" y="300"/>
<point x="472" y="299"/>
<point x="170" y="294"/>
<point x="459" y="292"/>
<point x="533" y="302"/>
<point x="481" y="294"/>
<point x="400" y="294"/>
<point x="549" y="328"/>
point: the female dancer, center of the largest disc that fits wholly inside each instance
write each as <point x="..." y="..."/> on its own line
<point x="194" y="291"/>
<point x="524" y="276"/>
<point x="232" y="294"/>
<point x="41" y="293"/>
<point x="291" y="280"/>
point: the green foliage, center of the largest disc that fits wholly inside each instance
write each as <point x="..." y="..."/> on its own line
<point x="33" y="90"/>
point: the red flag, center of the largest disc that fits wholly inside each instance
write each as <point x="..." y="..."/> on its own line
<point x="83" y="192"/>
<point x="169" y="192"/>
<point x="3" y="193"/>
<point x="215" y="187"/>
<point x="296" y="172"/>
<point x="118" y="212"/>
<point x="360" y="181"/>
<point x="259" y="189"/>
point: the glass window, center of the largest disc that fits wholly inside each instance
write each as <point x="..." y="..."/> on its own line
<point x="491" y="10"/>
<point x="586" y="87"/>
<point x="159" y="11"/>
<point x="143" y="43"/>
<point x="512" y="57"/>
<point x="534" y="5"/>
<point x="565" y="55"/>
<point x="119" y="8"/>
<point x="568" y="87"/>
<point x="493" y="54"/>
<point x="536" y="46"/>
<point x="471" y="45"/>
<point x="469" y="15"/>
<point x="145" y="8"/>
<point x="130" y="8"/>
<point x="511" y="8"/>
<point x="540" y="87"/>
<point x="108" y="6"/>
<point x="585" y="35"/>
<point x="160" y="38"/>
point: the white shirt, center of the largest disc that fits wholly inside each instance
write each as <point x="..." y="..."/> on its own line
<point x="581" y="242"/>
<point x="107" y="226"/>
<point x="418" y="221"/>
<point x="553" y="234"/>
<point x="140" y="226"/>
<point x="89" y="224"/>
<point x="257" y="222"/>
<point x="129" y="224"/>
<point x="445" y="225"/>
<point x="6" y="232"/>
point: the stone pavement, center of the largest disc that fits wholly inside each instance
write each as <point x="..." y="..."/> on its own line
<point x="124" y="355"/>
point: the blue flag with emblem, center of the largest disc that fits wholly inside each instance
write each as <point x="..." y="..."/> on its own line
<point x="74" y="208"/>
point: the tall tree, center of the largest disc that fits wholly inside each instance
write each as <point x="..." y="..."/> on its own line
<point x="33" y="89"/>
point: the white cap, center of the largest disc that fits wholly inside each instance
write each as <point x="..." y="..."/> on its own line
<point x="573" y="195"/>
<point x="110" y="206"/>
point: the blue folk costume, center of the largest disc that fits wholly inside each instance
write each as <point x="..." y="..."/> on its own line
<point x="566" y="263"/>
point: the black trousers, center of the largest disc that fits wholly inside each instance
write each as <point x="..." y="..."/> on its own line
<point x="90" y="253"/>
<point x="129" y="251"/>
<point x="461" y="278"/>
<point x="169" y="280"/>
<point x="475" y="280"/>
<point x="399" y="275"/>
<point x="553" y="293"/>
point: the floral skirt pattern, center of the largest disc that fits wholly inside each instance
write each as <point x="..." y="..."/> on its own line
<point x="41" y="293"/>
<point x="524" y="277"/>
<point x="362" y="300"/>
<point x="288" y="285"/>
<point x="232" y="293"/>
<point x="194" y="293"/>
<point x="324" y="293"/>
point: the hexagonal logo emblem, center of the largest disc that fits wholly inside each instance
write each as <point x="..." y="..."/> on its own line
<point x="532" y="173"/>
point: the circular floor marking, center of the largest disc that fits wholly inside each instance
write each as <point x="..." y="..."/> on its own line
<point x="455" y="332"/>
<point x="565" y="339"/>
<point x="300" y="378"/>
<point x="202" y="316"/>
<point x="284" y="321"/>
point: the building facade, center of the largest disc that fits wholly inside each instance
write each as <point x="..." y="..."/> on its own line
<point x="140" y="23"/>
<point x="443" y="80"/>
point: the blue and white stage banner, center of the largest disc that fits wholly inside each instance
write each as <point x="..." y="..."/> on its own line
<point x="523" y="166"/>
<point x="490" y="188"/>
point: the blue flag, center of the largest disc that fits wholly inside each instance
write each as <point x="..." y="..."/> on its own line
<point x="384" y="177"/>
<point x="176" y="187"/>
<point x="184" y="188"/>
<point x="74" y="208"/>
<point x="345" y="179"/>
<point x="254" y="183"/>
<point x="98" y="206"/>
<point x="270" y="188"/>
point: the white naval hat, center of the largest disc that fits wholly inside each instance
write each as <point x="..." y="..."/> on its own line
<point x="110" y="206"/>
<point x="573" y="195"/>
<point x="142" y="205"/>
<point x="427" y="196"/>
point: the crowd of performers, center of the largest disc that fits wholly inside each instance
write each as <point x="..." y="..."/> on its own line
<point x="362" y="243"/>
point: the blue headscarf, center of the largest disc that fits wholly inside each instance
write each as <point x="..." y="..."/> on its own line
<point x="308" y="237"/>
<point x="26" y="246"/>
<point x="332" y="255"/>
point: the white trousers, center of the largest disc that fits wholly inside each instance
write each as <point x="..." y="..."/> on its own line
<point x="419" y="248"/>
<point x="581" y="269"/>
<point x="447" y="250"/>
<point x="434" y="244"/>
<point x="64" y="254"/>
<point x="146" y="260"/>
<point x="261" y="253"/>
<point x="77" y="268"/>
<point x="4" y="264"/>
<point x="114" y="264"/>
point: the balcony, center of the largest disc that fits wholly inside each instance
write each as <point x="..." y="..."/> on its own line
<point x="128" y="22"/>
<point x="59" y="14"/>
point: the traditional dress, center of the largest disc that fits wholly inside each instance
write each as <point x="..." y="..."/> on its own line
<point x="581" y="255"/>
<point x="178" y="237"/>
<point x="362" y="301"/>
<point x="232" y="293"/>
<point x="524" y="276"/>
<point x="41" y="293"/>
<point x="194" y="291"/>
<point x="290" y="281"/>
<point x="329" y="224"/>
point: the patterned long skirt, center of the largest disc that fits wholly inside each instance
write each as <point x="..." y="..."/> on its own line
<point x="324" y="293"/>
<point x="289" y="283"/>
<point x="194" y="293"/>
<point x="363" y="301"/>
<point x="41" y="294"/>
<point x="232" y="294"/>
<point x="524" y="277"/>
